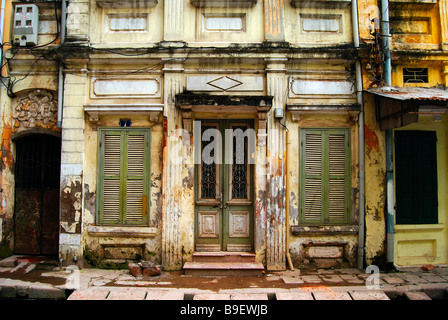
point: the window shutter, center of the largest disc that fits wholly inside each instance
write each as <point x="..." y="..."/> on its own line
<point x="337" y="163"/>
<point x="325" y="176"/>
<point x="135" y="191"/>
<point x="124" y="176"/>
<point x="313" y="176"/>
<point x="111" y="180"/>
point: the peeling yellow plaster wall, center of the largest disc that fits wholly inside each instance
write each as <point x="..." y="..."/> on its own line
<point x="375" y="185"/>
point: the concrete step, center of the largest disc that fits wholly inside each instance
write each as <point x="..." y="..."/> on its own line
<point x="223" y="268"/>
<point x="222" y="256"/>
<point x="416" y="295"/>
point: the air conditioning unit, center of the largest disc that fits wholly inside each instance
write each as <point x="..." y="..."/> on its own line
<point x="26" y="24"/>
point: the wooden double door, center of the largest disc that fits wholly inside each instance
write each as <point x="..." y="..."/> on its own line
<point x="224" y="193"/>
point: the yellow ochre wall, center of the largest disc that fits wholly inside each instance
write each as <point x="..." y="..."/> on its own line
<point x="427" y="243"/>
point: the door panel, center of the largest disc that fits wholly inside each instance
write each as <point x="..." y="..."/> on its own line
<point x="223" y="193"/>
<point x="36" y="213"/>
<point x="27" y="222"/>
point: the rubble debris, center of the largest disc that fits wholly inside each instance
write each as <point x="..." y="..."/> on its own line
<point x="428" y="267"/>
<point x="144" y="268"/>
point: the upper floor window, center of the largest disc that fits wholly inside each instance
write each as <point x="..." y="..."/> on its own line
<point x="415" y="75"/>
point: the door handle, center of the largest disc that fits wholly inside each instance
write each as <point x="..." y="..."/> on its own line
<point x="221" y="205"/>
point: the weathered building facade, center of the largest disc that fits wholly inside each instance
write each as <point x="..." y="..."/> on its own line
<point x="182" y="127"/>
<point x="405" y="133"/>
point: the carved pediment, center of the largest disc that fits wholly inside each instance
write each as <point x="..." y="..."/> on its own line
<point x="39" y="109"/>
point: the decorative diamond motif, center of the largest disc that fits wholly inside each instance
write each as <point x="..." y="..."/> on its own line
<point x="224" y="83"/>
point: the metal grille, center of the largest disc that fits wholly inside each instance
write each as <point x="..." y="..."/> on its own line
<point x="208" y="170"/>
<point x="38" y="162"/>
<point x="415" y="75"/>
<point x="239" y="168"/>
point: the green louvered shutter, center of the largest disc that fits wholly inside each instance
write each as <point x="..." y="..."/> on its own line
<point x="325" y="176"/>
<point x="123" y="184"/>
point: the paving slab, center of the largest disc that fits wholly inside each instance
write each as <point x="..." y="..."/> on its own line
<point x="294" y="296"/>
<point x="249" y="296"/>
<point x="369" y="295"/>
<point x="331" y="295"/>
<point x="352" y="278"/>
<point x="165" y="295"/>
<point x="127" y="294"/>
<point x="89" y="294"/>
<point x="413" y="278"/>
<point x="332" y="278"/>
<point x="45" y="291"/>
<point x="416" y="295"/>
<point x="433" y="278"/>
<point x="311" y="279"/>
<point x="390" y="279"/>
<point x="292" y="280"/>
<point x="211" y="296"/>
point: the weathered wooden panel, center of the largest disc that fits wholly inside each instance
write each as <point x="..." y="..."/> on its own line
<point x="27" y="221"/>
<point x="50" y="222"/>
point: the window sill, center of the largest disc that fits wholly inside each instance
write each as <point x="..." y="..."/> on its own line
<point x="324" y="230"/>
<point x="138" y="232"/>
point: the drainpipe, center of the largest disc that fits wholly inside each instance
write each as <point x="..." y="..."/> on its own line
<point x="386" y="42"/>
<point x="61" y="67"/>
<point x="2" y="22"/>
<point x="361" y="233"/>
<point x="389" y="134"/>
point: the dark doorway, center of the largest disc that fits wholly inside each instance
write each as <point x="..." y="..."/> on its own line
<point x="36" y="213"/>
<point x="416" y="177"/>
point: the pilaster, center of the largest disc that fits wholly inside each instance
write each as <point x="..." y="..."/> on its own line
<point x="173" y="20"/>
<point x="78" y="20"/>
<point x="172" y="168"/>
<point x="443" y="8"/>
<point x="72" y="165"/>
<point x="276" y="167"/>
<point x="274" y="20"/>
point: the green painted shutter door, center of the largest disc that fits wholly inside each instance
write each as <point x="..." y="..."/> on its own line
<point x="135" y="195"/>
<point x="338" y="167"/>
<point x="111" y="178"/>
<point x="325" y="169"/>
<point x="312" y="170"/>
<point x="124" y="176"/>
